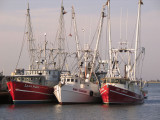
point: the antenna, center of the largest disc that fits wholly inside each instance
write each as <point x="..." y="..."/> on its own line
<point x="127" y="26"/>
<point x="121" y="25"/>
<point x="45" y="60"/>
<point x="90" y="30"/>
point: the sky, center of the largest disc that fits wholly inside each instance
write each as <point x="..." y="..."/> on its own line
<point x="45" y="17"/>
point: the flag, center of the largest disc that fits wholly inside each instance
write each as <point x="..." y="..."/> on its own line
<point x="70" y="35"/>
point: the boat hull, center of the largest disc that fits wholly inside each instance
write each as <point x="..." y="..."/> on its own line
<point x="71" y="95"/>
<point x="29" y="93"/>
<point x="115" y="95"/>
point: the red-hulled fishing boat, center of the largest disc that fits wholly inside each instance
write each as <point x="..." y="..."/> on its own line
<point x="123" y="88"/>
<point x="36" y="84"/>
<point x="30" y="88"/>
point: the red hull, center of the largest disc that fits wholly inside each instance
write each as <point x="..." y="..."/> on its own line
<point x="115" y="95"/>
<point x="29" y="93"/>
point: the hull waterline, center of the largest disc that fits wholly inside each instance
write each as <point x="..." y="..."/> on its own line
<point x="115" y="95"/>
<point x="71" y="95"/>
<point x="29" y="93"/>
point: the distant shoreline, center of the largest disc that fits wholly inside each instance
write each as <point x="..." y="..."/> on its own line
<point x="152" y="82"/>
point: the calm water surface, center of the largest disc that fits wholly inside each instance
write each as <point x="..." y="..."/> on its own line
<point x="150" y="110"/>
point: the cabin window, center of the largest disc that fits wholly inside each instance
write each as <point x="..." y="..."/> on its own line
<point x="72" y="80"/>
<point x="116" y="81"/>
<point x="30" y="79"/>
<point x="68" y="80"/>
<point x="40" y="81"/>
<point x="18" y="78"/>
<point x="76" y="80"/>
<point x="123" y="81"/>
<point x="108" y="80"/>
<point x="112" y="81"/>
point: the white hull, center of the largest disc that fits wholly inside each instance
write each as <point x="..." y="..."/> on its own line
<point x="70" y="94"/>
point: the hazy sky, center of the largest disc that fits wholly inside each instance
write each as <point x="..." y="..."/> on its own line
<point x="45" y="16"/>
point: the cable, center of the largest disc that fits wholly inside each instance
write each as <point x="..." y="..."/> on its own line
<point x="22" y="45"/>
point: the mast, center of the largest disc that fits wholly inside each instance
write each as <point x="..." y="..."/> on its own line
<point x="137" y="36"/>
<point x="31" y="41"/>
<point x="61" y="38"/>
<point x="45" y="45"/>
<point x="98" y="39"/>
<point x="109" y="39"/>
<point x="76" y="33"/>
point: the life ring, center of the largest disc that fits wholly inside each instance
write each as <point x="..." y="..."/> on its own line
<point x="91" y="93"/>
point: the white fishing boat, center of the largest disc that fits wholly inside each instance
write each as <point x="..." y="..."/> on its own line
<point x="82" y="87"/>
<point x="72" y="90"/>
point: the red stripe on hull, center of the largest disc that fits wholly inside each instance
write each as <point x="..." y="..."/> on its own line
<point x="28" y="92"/>
<point x="112" y="94"/>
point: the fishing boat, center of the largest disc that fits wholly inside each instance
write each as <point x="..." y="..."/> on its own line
<point x="1" y="77"/>
<point x="34" y="85"/>
<point x="83" y="86"/>
<point x="127" y="88"/>
<point x="77" y="88"/>
<point x="4" y="94"/>
<point x="73" y="91"/>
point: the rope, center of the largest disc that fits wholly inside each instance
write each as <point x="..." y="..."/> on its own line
<point x="22" y="45"/>
<point x="142" y="66"/>
<point x="75" y="64"/>
<point x="94" y="35"/>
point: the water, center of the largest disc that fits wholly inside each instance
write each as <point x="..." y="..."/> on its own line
<point x="150" y="110"/>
